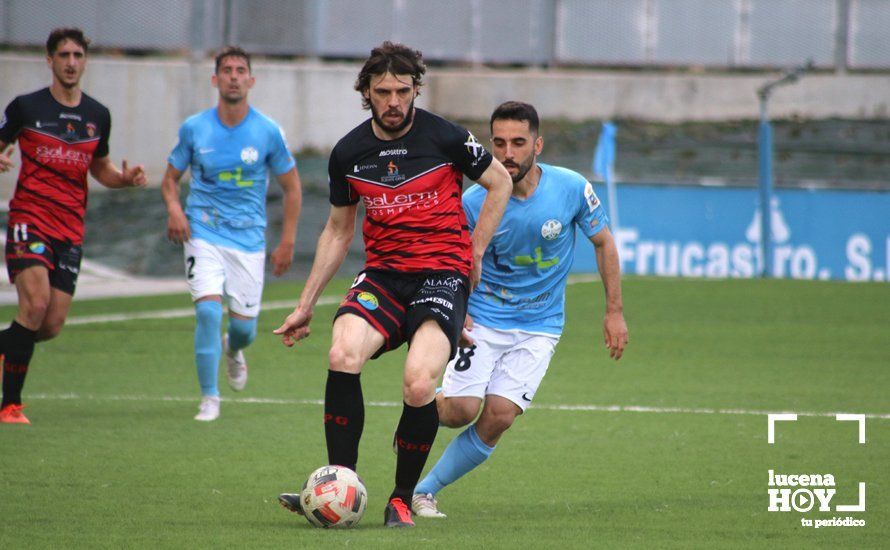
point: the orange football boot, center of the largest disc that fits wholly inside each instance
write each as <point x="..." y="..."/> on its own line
<point x="12" y="414"/>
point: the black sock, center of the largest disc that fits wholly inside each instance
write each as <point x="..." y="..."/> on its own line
<point x="414" y="439"/>
<point x="344" y="417"/>
<point x="18" y="347"/>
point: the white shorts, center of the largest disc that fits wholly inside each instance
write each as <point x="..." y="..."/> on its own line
<point x="213" y="270"/>
<point x="510" y="364"/>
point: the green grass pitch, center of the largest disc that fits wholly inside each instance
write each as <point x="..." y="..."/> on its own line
<point x="114" y="460"/>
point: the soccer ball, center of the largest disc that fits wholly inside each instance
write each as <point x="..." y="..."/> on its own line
<point x="334" y="497"/>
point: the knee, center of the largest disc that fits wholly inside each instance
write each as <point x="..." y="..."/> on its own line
<point x="493" y="423"/>
<point x="34" y="310"/>
<point x="457" y="412"/>
<point x="49" y="330"/>
<point x="498" y="422"/>
<point x="209" y="318"/>
<point x="242" y="332"/>
<point x="418" y="391"/>
<point x="209" y="314"/>
<point x="344" y="359"/>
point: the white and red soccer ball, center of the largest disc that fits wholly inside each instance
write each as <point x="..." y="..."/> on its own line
<point x="334" y="497"/>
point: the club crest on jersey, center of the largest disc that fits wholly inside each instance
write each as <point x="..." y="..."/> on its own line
<point x="551" y="229"/>
<point x="591" y="198"/>
<point x="91" y="129"/>
<point x="392" y="173"/>
<point x="473" y="146"/>
<point x="368" y="301"/>
<point x="249" y="155"/>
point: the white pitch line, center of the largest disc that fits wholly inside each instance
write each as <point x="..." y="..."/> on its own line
<point x="180" y="312"/>
<point x="280" y="304"/>
<point x="393" y="404"/>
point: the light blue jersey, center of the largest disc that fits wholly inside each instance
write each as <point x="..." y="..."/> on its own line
<point x="230" y="173"/>
<point x="526" y="265"/>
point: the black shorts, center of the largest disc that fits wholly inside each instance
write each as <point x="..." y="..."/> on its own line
<point x="397" y="303"/>
<point x="25" y="248"/>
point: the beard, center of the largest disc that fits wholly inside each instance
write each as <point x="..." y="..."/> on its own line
<point x="522" y="169"/>
<point x="408" y="119"/>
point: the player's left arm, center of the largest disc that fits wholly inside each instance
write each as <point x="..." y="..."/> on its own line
<point x="614" y="327"/>
<point x="283" y="254"/>
<point x="6" y="157"/>
<point x="110" y="176"/>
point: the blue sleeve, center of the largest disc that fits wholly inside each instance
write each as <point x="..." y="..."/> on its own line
<point x="471" y="208"/>
<point x="181" y="156"/>
<point x="280" y="159"/>
<point x="590" y="216"/>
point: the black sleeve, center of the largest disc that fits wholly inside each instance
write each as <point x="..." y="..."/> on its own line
<point x="341" y="191"/>
<point x="11" y="122"/>
<point x="104" y="135"/>
<point x="465" y="150"/>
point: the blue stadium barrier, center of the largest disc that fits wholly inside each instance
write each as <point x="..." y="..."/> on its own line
<point x="714" y="232"/>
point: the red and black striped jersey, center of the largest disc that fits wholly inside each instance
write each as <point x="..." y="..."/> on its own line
<point x="411" y="190"/>
<point x="57" y="145"/>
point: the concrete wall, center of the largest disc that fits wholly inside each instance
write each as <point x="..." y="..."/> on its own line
<point x="316" y="105"/>
<point x="663" y="97"/>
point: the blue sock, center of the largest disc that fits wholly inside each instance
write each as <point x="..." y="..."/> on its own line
<point x="463" y="454"/>
<point x="208" y="344"/>
<point x="241" y="333"/>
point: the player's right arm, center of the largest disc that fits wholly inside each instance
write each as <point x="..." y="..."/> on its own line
<point x="10" y="125"/>
<point x="179" y="160"/>
<point x="177" y="224"/>
<point x="333" y="244"/>
<point x="498" y="184"/>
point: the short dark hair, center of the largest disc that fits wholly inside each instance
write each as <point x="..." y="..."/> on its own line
<point x="57" y="36"/>
<point x="516" y="110"/>
<point x="232" y="51"/>
<point x="390" y="57"/>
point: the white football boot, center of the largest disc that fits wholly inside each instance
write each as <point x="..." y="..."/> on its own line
<point x="209" y="409"/>
<point x="237" y="366"/>
<point x="426" y="506"/>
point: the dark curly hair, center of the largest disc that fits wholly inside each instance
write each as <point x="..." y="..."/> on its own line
<point x="57" y="36"/>
<point x="390" y="57"/>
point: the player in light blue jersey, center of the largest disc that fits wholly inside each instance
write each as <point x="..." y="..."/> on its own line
<point x="518" y="308"/>
<point x="230" y="150"/>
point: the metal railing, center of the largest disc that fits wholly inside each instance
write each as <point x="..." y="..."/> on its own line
<point x="835" y="34"/>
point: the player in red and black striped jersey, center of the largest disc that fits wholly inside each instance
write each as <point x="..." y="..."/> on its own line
<point x="62" y="134"/>
<point x="406" y="167"/>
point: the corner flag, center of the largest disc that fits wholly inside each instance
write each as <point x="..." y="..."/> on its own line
<point x="604" y="166"/>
